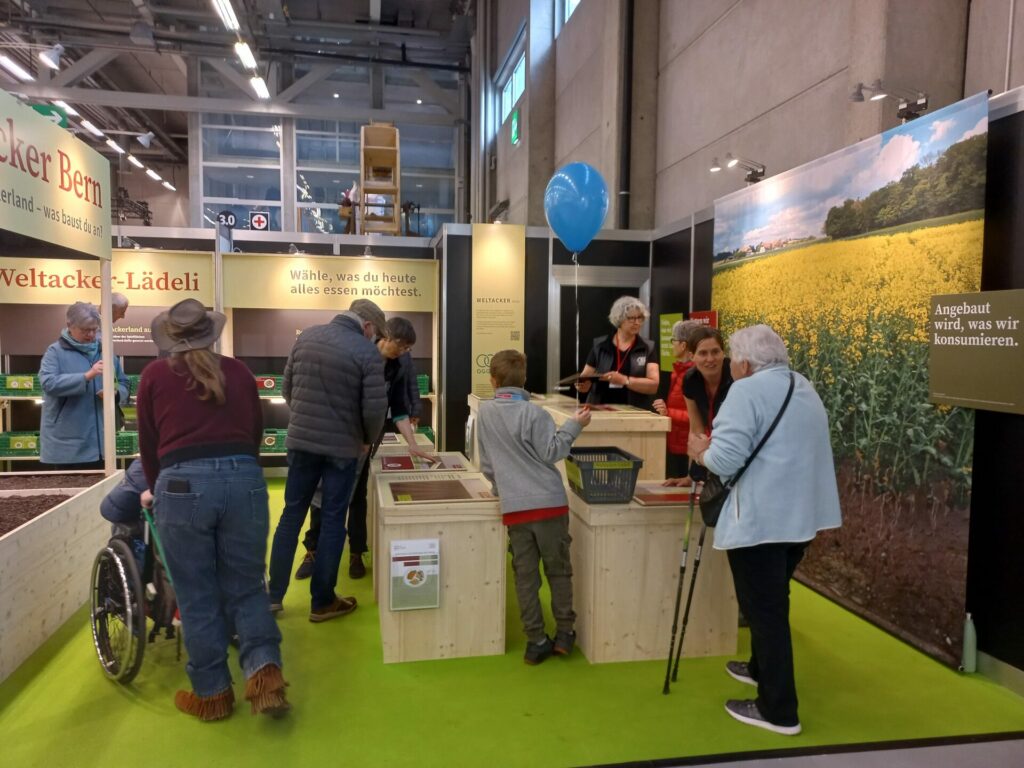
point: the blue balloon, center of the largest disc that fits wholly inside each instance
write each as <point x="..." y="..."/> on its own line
<point x="575" y="204"/>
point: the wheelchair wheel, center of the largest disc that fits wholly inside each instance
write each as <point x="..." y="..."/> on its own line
<point x="118" y="612"/>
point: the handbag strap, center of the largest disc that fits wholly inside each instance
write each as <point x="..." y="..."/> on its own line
<point x="789" y="394"/>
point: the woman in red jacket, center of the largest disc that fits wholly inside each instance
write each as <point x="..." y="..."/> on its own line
<point x="674" y="406"/>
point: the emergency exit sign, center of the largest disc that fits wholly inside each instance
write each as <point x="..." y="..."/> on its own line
<point x="515" y="126"/>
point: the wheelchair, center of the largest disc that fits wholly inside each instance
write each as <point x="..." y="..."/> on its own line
<point x="130" y="584"/>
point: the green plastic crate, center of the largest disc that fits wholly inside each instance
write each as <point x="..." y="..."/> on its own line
<point x="423" y="382"/>
<point x="273" y="441"/>
<point x="269" y="385"/>
<point x="127" y="443"/>
<point x="20" y="385"/>
<point x="19" y="443"/>
<point x="133" y="383"/>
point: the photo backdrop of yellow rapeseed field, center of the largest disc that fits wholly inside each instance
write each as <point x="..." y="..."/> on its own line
<point x="851" y="281"/>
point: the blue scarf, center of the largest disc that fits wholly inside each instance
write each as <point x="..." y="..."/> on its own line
<point x="90" y="349"/>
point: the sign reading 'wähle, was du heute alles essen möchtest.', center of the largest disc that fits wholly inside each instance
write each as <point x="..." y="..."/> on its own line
<point x="53" y="187"/>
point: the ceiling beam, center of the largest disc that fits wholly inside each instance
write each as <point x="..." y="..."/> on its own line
<point x="92" y="61"/>
<point x="441" y="97"/>
<point x="232" y="76"/>
<point x="317" y="74"/>
<point x="271" y="108"/>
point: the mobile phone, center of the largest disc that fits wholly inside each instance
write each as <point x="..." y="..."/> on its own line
<point x="176" y="485"/>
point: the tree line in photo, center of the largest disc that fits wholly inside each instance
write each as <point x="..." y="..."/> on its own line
<point x="951" y="183"/>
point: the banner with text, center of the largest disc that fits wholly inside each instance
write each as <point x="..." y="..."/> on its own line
<point x="329" y="282"/>
<point x="667" y="354"/>
<point x="53" y="187"/>
<point x="976" y="350"/>
<point x="498" y="296"/>
<point x="147" y="278"/>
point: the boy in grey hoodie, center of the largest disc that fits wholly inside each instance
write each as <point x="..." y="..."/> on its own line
<point x="519" y="447"/>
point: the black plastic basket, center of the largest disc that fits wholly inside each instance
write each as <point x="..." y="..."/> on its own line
<point x="602" y="475"/>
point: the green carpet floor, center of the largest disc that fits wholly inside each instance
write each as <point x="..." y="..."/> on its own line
<point x="856" y="684"/>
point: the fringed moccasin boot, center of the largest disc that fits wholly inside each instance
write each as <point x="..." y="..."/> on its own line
<point x="206" y="708"/>
<point x="265" y="691"/>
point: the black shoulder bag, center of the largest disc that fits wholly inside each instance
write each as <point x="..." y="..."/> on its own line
<point x="714" y="493"/>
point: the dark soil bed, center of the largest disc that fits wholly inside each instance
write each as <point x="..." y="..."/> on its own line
<point x="17" y="510"/>
<point x="19" y="482"/>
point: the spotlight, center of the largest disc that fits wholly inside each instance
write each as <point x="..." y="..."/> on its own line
<point x="419" y="101"/>
<point x="715" y="166"/>
<point x="879" y="92"/>
<point x="730" y="161"/>
<point x="145" y="139"/>
<point x="51" y="56"/>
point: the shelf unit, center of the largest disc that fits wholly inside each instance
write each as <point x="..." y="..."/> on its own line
<point x="380" y="174"/>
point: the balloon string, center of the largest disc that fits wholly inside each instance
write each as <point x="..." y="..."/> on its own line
<point x="576" y="288"/>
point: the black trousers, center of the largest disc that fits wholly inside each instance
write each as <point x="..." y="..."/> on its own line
<point x="762" y="575"/>
<point x="356" y="524"/>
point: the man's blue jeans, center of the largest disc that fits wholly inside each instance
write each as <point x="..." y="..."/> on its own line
<point x="214" y="527"/>
<point x="305" y="471"/>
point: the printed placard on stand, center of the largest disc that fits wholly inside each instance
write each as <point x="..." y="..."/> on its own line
<point x="415" y="574"/>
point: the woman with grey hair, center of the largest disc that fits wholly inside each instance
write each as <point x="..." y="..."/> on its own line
<point x="625" y="363"/>
<point x="674" y="405"/>
<point x="785" y="496"/>
<point x="71" y="374"/>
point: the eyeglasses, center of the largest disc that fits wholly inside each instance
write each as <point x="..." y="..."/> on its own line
<point x="401" y="346"/>
<point x="635" y="318"/>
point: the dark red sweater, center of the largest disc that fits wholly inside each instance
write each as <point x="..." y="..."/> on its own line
<point x="175" y="425"/>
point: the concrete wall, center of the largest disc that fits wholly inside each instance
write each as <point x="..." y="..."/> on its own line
<point x="169" y="209"/>
<point x="987" y="45"/>
<point x="770" y="80"/>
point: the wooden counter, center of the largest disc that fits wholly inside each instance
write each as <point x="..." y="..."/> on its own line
<point x="390" y="447"/>
<point x="470" y="620"/>
<point x="625" y="570"/>
<point x="472" y="447"/>
<point x="642" y="433"/>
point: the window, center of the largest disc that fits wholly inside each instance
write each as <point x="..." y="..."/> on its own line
<point x="570" y="6"/>
<point x="513" y="88"/>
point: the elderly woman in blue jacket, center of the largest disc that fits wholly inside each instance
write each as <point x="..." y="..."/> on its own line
<point x="71" y="374"/>
<point x="787" y="494"/>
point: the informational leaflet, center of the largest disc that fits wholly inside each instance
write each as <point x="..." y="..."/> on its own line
<point x="404" y="462"/>
<point x="415" y="574"/>
<point x="655" y="494"/>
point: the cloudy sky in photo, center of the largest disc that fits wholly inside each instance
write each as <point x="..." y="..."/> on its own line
<point x="794" y="204"/>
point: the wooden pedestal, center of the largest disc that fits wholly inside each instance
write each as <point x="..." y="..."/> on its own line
<point x="470" y="620"/>
<point x="639" y="432"/>
<point x="625" y="571"/>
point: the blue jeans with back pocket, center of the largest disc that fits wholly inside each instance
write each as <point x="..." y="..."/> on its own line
<point x="214" y="536"/>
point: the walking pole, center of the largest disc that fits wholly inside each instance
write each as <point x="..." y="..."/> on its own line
<point x="689" y="595"/>
<point x="679" y="593"/>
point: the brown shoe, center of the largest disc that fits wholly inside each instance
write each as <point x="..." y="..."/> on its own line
<point x="340" y="607"/>
<point x="206" y="708"/>
<point x="265" y="692"/>
<point x="356" y="569"/>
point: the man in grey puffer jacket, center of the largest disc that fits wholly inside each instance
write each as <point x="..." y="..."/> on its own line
<point x="334" y="385"/>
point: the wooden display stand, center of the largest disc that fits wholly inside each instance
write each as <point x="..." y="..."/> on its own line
<point x="423" y="442"/>
<point x="472" y="444"/>
<point x="470" y="620"/>
<point x="380" y="174"/>
<point x="642" y="433"/>
<point x="625" y="561"/>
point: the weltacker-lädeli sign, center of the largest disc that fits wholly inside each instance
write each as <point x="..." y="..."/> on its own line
<point x="147" y="278"/>
<point x="53" y="187"/>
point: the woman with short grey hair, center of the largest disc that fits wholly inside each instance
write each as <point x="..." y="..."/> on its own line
<point x="71" y="374"/>
<point x="623" y="365"/>
<point x="674" y="405"/>
<point x="785" y="496"/>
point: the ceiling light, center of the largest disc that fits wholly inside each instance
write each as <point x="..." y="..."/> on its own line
<point x="260" y="87"/>
<point x="170" y="186"/>
<point x="419" y="101"/>
<point x="135" y="161"/>
<point x="153" y="174"/>
<point x="730" y="161"/>
<point x="337" y="95"/>
<point x="15" y="69"/>
<point x="51" y="56"/>
<point x="245" y="56"/>
<point x="715" y="166"/>
<point x="879" y="92"/>
<point x="227" y="14"/>
<point x="66" y="107"/>
<point x="145" y="139"/>
<point x="92" y="129"/>
<point x="115" y="146"/>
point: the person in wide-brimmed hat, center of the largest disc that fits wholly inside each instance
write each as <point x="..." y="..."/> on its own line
<point x="200" y="426"/>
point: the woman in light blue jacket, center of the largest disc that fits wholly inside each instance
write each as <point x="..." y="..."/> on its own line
<point x="787" y="494"/>
<point x="71" y="374"/>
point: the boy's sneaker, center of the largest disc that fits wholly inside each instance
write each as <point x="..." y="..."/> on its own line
<point x="740" y="670"/>
<point x="746" y="711"/>
<point x="340" y="607"/>
<point x="564" y="643"/>
<point x="537" y="652"/>
<point x="305" y="569"/>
